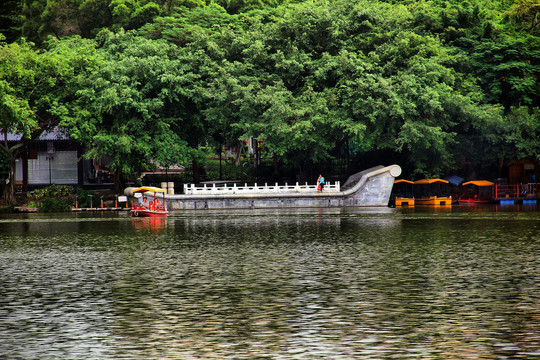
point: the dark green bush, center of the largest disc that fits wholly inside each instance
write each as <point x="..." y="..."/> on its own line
<point x="83" y="197"/>
<point x="7" y="209"/>
<point x="228" y="171"/>
<point x="52" y="205"/>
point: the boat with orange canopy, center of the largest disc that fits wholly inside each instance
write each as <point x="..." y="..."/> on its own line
<point x="482" y="195"/>
<point x="152" y="208"/>
<point x="427" y="197"/>
<point x="403" y="197"/>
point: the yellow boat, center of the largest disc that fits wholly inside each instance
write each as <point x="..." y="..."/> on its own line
<point x="403" y="200"/>
<point x="434" y="200"/>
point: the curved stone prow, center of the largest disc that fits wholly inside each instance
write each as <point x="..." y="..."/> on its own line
<point x="371" y="187"/>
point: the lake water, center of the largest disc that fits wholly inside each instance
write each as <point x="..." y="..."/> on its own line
<point x="360" y="283"/>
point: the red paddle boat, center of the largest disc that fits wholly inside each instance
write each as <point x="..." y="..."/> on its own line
<point x="141" y="206"/>
<point x="482" y="195"/>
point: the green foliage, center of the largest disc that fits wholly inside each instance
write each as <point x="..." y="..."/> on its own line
<point x="21" y="69"/>
<point x="526" y="14"/>
<point x="240" y="6"/>
<point x="228" y="171"/>
<point x="508" y="70"/>
<point x="54" y="205"/>
<point x="9" y="18"/>
<point x="36" y="88"/>
<point x="42" y="18"/>
<point x="144" y="14"/>
<point x="83" y="197"/>
<point x="440" y="82"/>
<point x="53" y="198"/>
<point x="52" y="191"/>
<point x="130" y="106"/>
<point x="321" y="74"/>
<point x="516" y="135"/>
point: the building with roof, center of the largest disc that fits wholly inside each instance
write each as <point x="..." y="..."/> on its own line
<point x="55" y="159"/>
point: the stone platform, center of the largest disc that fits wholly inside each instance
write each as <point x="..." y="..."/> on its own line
<point x="371" y="187"/>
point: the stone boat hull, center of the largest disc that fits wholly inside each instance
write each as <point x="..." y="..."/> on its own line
<point x="371" y="187"/>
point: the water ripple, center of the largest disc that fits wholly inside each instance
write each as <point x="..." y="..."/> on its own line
<point x="302" y="284"/>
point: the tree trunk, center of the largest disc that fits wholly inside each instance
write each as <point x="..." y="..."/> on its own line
<point x="238" y="153"/>
<point x="195" y="165"/>
<point x="534" y="23"/>
<point x="9" y="188"/>
<point x="118" y="181"/>
<point x="500" y="164"/>
<point x="305" y="170"/>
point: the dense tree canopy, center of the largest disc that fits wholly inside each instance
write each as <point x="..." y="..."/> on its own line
<point x="130" y="106"/>
<point x="36" y="90"/>
<point x="436" y="83"/>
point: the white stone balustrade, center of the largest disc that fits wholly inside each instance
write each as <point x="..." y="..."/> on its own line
<point x="191" y="189"/>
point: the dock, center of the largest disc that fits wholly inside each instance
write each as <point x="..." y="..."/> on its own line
<point x="517" y="200"/>
<point x="516" y="193"/>
<point x="102" y="209"/>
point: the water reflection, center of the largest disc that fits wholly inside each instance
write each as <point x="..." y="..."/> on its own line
<point x="153" y="224"/>
<point x="296" y="284"/>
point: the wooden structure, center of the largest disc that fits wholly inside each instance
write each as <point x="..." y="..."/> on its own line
<point x="519" y="193"/>
<point x="523" y="171"/>
<point x="53" y="158"/>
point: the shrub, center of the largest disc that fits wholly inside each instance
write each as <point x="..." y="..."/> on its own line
<point x="52" y="205"/>
<point x="228" y="171"/>
<point x="83" y="197"/>
<point x="7" y="209"/>
<point x="51" y="191"/>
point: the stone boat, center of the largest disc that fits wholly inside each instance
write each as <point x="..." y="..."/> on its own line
<point x="371" y="187"/>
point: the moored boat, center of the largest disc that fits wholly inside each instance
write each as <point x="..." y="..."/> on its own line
<point x="403" y="196"/>
<point x="434" y="200"/>
<point x="143" y="207"/>
<point x="481" y="195"/>
<point x="428" y="198"/>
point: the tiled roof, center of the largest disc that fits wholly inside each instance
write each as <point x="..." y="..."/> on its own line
<point x="57" y="134"/>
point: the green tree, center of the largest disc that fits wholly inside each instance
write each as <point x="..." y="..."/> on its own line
<point x="10" y="18"/>
<point x="35" y="88"/>
<point x="503" y="55"/>
<point x="526" y="12"/>
<point x="515" y="136"/>
<point x="508" y="69"/>
<point x="311" y="77"/>
<point x="41" y="18"/>
<point x="130" y="107"/>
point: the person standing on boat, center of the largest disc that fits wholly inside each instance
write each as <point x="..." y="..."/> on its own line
<point x="320" y="183"/>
